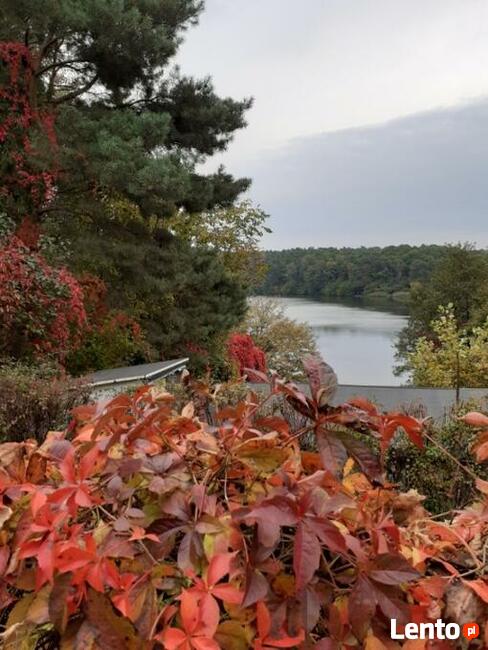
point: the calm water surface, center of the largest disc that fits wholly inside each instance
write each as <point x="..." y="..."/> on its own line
<point x="357" y="340"/>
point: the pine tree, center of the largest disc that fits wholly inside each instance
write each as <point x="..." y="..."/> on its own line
<point x="129" y="131"/>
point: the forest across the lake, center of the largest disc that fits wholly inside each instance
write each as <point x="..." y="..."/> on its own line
<point x="324" y="273"/>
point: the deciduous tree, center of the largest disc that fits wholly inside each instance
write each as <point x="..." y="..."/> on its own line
<point x="234" y="232"/>
<point x="284" y="341"/>
<point x="455" y="358"/>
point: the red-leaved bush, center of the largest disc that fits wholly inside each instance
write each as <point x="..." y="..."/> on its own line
<point x="143" y="527"/>
<point x="41" y="308"/>
<point x="245" y="353"/>
<point x="110" y="338"/>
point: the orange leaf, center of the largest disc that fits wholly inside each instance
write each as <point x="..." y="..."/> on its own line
<point x="189" y="612"/>
<point x="475" y="419"/>
<point x="482" y="485"/>
<point x="373" y="643"/>
<point x="480" y="587"/>
<point x="219" y="567"/>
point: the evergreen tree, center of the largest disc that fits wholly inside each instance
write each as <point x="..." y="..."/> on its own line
<point x="125" y="120"/>
<point x="128" y="131"/>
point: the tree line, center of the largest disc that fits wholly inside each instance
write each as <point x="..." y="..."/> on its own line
<point x="321" y="273"/>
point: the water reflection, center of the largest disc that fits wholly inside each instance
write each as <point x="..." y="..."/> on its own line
<point x="357" y="340"/>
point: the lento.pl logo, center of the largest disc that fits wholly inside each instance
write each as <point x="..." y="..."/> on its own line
<point x="434" y="631"/>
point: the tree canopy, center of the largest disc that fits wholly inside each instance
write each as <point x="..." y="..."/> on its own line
<point x="126" y="120"/>
<point x="284" y="341"/>
<point x="348" y="272"/>
<point x="459" y="279"/>
<point x="456" y="358"/>
<point x="107" y="148"/>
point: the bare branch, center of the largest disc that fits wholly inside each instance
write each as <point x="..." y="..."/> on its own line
<point x="59" y="64"/>
<point x="76" y="93"/>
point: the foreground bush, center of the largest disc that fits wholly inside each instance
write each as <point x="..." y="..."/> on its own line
<point x="142" y="527"/>
<point x="440" y="476"/>
<point x="35" y="400"/>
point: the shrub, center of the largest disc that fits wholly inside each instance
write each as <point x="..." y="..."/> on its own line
<point x="41" y="308"/>
<point x="142" y="527"/>
<point x="245" y="354"/>
<point x="115" y="341"/>
<point x="111" y="337"/>
<point x="34" y="401"/>
<point x="432" y="472"/>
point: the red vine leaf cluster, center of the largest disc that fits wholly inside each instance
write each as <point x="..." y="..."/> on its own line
<point x="27" y="133"/>
<point x="41" y="308"/>
<point x="144" y="526"/>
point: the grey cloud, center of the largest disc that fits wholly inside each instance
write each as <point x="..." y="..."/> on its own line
<point x="411" y="180"/>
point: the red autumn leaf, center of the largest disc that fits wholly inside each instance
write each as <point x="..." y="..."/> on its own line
<point x="264" y="639"/>
<point x="37" y="501"/>
<point x="257" y="587"/>
<point x="321" y="378"/>
<point x="391" y="422"/>
<point x="328" y="534"/>
<point x="332" y="450"/>
<point x="366" y="459"/>
<point x="199" y="625"/>
<point x="391" y="569"/>
<point x="364" y="405"/>
<point x="219" y="567"/>
<point x="480" y="587"/>
<point x="361" y="606"/>
<point x="306" y="555"/>
<point x="270" y="515"/>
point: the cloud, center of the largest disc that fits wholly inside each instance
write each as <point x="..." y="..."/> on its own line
<point x="324" y="65"/>
<point x="319" y="72"/>
<point x="420" y="179"/>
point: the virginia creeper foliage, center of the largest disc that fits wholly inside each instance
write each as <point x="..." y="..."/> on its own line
<point x="41" y="308"/>
<point x="144" y="527"/>
<point x="26" y="133"/>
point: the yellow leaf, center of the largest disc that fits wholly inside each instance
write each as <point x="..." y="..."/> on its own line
<point x="231" y="635"/>
<point x="261" y="456"/>
<point x="20" y="609"/>
<point x="348" y="467"/>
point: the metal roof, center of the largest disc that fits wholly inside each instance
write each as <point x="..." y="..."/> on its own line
<point x="143" y="372"/>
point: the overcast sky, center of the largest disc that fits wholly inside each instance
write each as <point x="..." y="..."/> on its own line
<point x="370" y="122"/>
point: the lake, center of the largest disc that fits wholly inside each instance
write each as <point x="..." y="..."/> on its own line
<point x="354" y="337"/>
